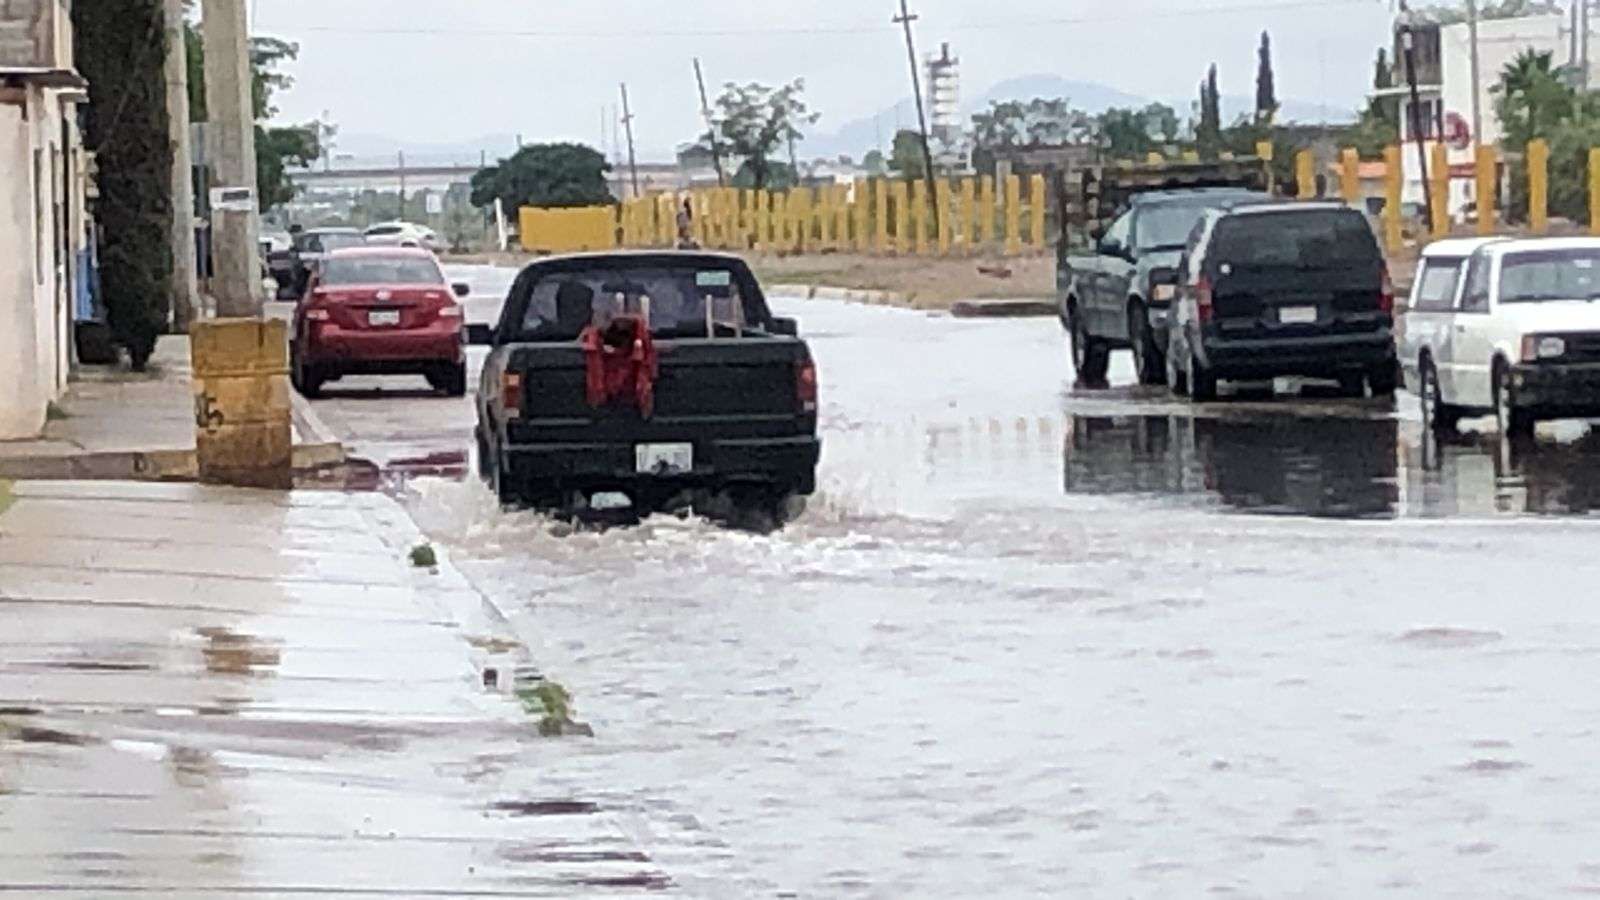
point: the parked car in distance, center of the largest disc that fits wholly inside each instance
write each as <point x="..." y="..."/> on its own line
<point x="402" y="234"/>
<point x="292" y="268"/>
<point x="1518" y="337"/>
<point x="1283" y="288"/>
<point x="660" y="376"/>
<point x="379" y="311"/>
<point x="1119" y="295"/>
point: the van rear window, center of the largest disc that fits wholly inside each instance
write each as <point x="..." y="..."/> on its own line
<point x="1300" y="239"/>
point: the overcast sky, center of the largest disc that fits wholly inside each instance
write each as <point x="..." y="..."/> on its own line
<point x="449" y="71"/>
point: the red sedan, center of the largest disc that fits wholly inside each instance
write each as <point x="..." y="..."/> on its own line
<point x="379" y="311"/>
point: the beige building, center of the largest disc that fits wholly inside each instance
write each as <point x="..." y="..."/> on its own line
<point x="41" y="208"/>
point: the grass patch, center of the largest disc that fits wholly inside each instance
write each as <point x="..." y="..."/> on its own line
<point x="423" y="556"/>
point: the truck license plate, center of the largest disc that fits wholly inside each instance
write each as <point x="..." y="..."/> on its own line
<point x="1297" y="315"/>
<point x="383" y="317"/>
<point x="664" y="459"/>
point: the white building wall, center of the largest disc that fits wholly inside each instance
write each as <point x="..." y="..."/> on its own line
<point x="34" y="312"/>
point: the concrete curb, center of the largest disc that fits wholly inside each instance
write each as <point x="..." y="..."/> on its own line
<point x="848" y="295"/>
<point x="318" y="447"/>
<point x="1004" y="309"/>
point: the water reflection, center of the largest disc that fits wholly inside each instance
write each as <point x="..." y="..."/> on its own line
<point x="1329" y="467"/>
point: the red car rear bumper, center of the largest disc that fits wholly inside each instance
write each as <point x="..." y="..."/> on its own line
<point x="336" y="347"/>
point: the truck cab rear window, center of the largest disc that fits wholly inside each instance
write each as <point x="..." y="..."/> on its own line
<point x="563" y="304"/>
<point x="1308" y="239"/>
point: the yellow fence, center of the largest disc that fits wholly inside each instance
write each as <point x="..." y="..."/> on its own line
<point x="567" y="230"/>
<point x="882" y="216"/>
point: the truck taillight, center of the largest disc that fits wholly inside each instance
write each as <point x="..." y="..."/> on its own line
<point x="511" y="394"/>
<point x="1386" y="292"/>
<point x="1203" y="299"/>
<point x="805" y="385"/>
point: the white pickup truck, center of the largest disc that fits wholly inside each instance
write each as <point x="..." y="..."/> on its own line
<point x="1505" y="326"/>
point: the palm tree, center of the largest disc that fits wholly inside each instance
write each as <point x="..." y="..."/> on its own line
<point x="1531" y="98"/>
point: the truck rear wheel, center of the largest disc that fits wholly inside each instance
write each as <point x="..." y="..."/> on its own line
<point x="1090" y="355"/>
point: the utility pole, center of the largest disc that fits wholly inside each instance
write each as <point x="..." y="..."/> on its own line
<point x="1408" y="42"/>
<point x="402" y="156"/>
<point x="234" y="247"/>
<point x="1583" y="42"/>
<point x="184" y="271"/>
<point x="711" y="126"/>
<point x="1477" y="82"/>
<point x="906" y="18"/>
<point x="627" y="122"/>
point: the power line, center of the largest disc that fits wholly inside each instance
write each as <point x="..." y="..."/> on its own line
<point x="1143" y="15"/>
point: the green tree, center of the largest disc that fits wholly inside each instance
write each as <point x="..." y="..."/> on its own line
<point x="755" y="122"/>
<point x="1125" y="133"/>
<point x="1378" y="125"/>
<point x="1162" y="122"/>
<point x="907" y="160"/>
<point x="1532" y="101"/>
<point x="120" y="50"/>
<point x="1266" y="83"/>
<point x="277" y="147"/>
<point x="780" y="176"/>
<point x="875" y="164"/>
<point x="1038" y="122"/>
<point x="559" y="175"/>
<point x="1208" y="133"/>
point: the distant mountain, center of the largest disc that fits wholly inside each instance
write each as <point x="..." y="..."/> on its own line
<point x="856" y="137"/>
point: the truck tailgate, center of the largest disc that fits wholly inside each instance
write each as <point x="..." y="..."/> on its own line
<point x="726" y="388"/>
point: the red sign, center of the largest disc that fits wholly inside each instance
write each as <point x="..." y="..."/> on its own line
<point x="1456" y="131"/>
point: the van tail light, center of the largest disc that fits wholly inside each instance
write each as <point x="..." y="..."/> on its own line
<point x="805" y="385"/>
<point x="1204" y="299"/>
<point x="1386" y="292"/>
<point x="511" y="394"/>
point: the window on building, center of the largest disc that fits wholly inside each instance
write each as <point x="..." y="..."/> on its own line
<point x="1429" y="114"/>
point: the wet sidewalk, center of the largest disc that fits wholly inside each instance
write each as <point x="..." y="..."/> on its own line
<point x="211" y="692"/>
<point x="118" y="424"/>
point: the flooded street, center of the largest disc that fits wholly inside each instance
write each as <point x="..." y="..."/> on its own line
<point x="1031" y="640"/>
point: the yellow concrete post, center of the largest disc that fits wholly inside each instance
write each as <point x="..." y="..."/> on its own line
<point x="986" y="211"/>
<point x="780" y="221"/>
<point x="1350" y="176"/>
<point x="702" y="218"/>
<point x="1153" y="158"/>
<point x="1392" y="176"/>
<point x="880" y="213"/>
<point x="919" y="215"/>
<point x="1037" y="204"/>
<point x="969" y="214"/>
<point x="902" y="216"/>
<point x="763" y="219"/>
<point x="1539" y="186"/>
<point x="841" y="218"/>
<point x="1594" y="191"/>
<point x="1487" y="172"/>
<point x="1305" y="175"/>
<point x="241" y="402"/>
<point x="1191" y="156"/>
<point x="1439" y="174"/>
<point x="800" y="216"/>
<point x="824" y="212"/>
<point x="1013" y="215"/>
<point x="947" y="222"/>
<point x="730" y="217"/>
<point x="859" y="214"/>
<point x="1264" y="150"/>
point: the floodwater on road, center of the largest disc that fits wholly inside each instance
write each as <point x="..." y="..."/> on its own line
<point x="1036" y="641"/>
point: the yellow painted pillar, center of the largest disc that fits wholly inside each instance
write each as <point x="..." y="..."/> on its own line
<point x="1153" y="158"/>
<point x="1038" y="203"/>
<point x="1487" y="166"/>
<point x="880" y="213"/>
<point x="702" y="218"/>
<point x="730" y="217"/>
<point x="1439" y="174"/>
<point x="1350" y="176"/>
<point x="902" y="216"/>
<point x="825" y="198"/>
<point x="947" y="224"/>
<point x="1392" y="179"/>
<point x="243" y="433"/>
<point x="1539" y="186"/>
<point x="859" y="209"/>
<point x="969" y="213"/>
<point x="1191" y="156"/>
<point x="919" y="215"/>
<point x="1305" y="175"/>
<point x="1594" y="191"/>
<point x="986" y="211"/>
<point x="780" y="221"/>
<point x="764" y="219"/>
<point x="1264" y="150"/>
<point x="1013" y="215"/>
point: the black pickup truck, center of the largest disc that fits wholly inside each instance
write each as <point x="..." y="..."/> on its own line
<point x="1115" y="293"/>
<point x="661" y="376"/>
